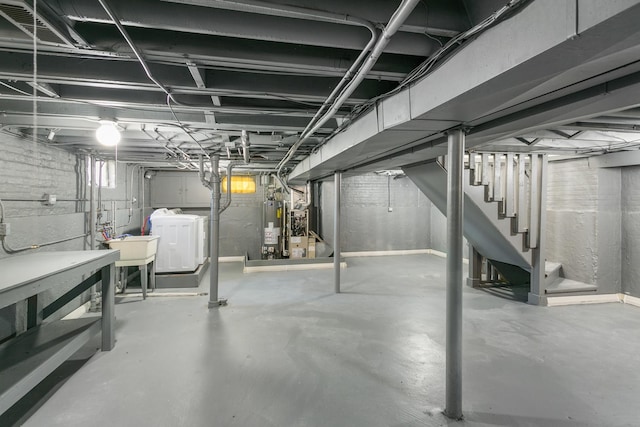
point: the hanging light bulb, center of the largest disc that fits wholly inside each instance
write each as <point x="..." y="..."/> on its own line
<point x="108" y="134"/>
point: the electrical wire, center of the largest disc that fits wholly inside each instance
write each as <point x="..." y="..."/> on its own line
<point x="423" y="69"/>
<point x="146" y="68"/>
<point x="15" y="89"/>
<point x="169" y="98"/>
<point x="354" y="76"/>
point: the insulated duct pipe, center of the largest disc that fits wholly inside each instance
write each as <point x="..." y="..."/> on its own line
<point x="398" y="18"/>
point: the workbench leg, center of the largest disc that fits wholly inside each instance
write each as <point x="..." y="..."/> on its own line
<point x="21" y="317"/>
<point x="34" y="312"/>
<point x="143" y="280"/>
<point x="108" y="307"/>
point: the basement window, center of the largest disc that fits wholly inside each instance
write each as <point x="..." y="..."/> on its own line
<point x="241" y="184"/>
<point x="105" y="173"/>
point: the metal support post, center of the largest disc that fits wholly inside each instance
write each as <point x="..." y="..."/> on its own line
<point x="538" y="254"/>
<point x="336" y="232"/>
<point x="455" y="192"/>
<point x="108" y="278"/>
<point x="214" y="232"/>
<point x="475" y="267"/>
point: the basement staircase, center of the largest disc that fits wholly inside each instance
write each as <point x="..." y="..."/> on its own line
<point x="504" y="219"/>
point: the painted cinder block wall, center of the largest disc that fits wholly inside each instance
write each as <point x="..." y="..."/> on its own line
<point x="367" y="224"/>
<point x="630" y="221"/>
<point x="27" y="171"/>
<point x="240" y="223"/>
<point x="593" y="224"/>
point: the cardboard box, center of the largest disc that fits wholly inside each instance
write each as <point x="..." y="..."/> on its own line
<point x="297" y="253"/>
<point x="299" y="241"/>
<point x="311" y="251"/>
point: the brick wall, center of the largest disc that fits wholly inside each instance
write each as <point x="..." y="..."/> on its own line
<point x="583" y="222"/>
<point x="367" y="224"/>
<point x="27" y="171"/>
<point x="240" y="224"/>
<point x="631" y="230"/>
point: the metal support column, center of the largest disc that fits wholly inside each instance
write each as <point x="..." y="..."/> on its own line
<point x="336" y="232"/>
<point x="214" y="232"/>
<point x="538" y="253"/>
<point x="108" y="279"/>
<point x="475" y="267"/>
<point x="455" y="193"/>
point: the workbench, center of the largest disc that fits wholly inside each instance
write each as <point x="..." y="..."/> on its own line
<point x="39" y="348"/>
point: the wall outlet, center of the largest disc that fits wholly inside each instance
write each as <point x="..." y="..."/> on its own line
<point x="5" y="230"/>
<point x="50" y="199"/>
<point x="390" y="209"/>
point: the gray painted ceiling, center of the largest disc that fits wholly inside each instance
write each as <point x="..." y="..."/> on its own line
<point x="230" y="66"/>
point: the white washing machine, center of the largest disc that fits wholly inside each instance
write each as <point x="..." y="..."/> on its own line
<point x="181" y="242"/>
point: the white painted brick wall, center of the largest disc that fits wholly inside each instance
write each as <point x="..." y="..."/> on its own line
<point x="366" y="223"/>
<point x="572" y="186"/>
<point x="631" y="230"/>
<point x="572" y="203"/>
<point x="28" y="171"/>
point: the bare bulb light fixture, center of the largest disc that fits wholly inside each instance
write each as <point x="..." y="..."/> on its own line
<point x="108" y="133"/>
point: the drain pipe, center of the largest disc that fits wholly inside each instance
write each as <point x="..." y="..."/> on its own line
<point x="245" y="146"/>
<point x="93" y="224"/>
<point x="92" y="203"/>
<point x="213" y="184"/>
<point x="396" y="21"/>
<point x="227" y="201"/>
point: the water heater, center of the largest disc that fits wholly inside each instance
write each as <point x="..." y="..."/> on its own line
<point x="272" y="231"/>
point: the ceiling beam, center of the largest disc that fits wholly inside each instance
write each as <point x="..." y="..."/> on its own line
<point x="203" y="20"/>
<point x="129" y="75"/>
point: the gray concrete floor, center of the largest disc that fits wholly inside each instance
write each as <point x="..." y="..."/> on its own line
<point x="286" y="351"/>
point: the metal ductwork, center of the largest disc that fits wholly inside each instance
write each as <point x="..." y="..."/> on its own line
<point x="21" y="15"/>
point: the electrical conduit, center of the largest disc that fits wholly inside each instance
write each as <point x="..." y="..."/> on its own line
<point x="398" y="18"/>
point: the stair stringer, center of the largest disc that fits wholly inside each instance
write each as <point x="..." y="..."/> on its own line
<point x="490" y="235"/>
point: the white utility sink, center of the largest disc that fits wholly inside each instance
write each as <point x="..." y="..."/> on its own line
<point x="135" y="247"/>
